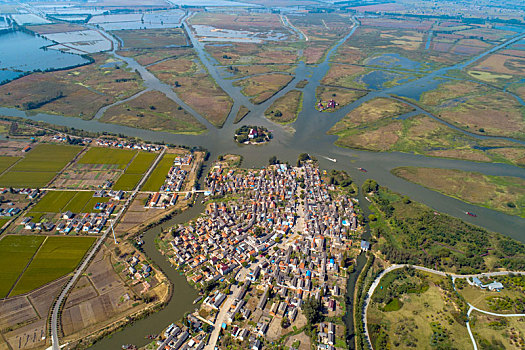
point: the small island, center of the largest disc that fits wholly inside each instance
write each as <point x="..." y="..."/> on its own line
<point x="252" y="135"/>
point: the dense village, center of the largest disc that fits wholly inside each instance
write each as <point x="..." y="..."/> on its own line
<point x="271" y="244"/>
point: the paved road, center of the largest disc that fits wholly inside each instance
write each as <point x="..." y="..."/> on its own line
<point x="441" y="273"/>
<point x="221" y="317"/>
<point x="78" y="272"/>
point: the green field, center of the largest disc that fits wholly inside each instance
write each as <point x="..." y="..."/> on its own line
<point x="158" y="176"/>
<point x="47" y="158"/>
<point x="141" y="163"/>
<point x="127" y="182"/>
<point x="15" y="252"/>
<point x="54" y="201"/>
<point x="6" y="162"/>
<point x="31" y="179"/>
<point x="102" y="155"/>
<point x="61" y="201"/>
<point x="57" y="257"/>
<point x="39" y="165"/>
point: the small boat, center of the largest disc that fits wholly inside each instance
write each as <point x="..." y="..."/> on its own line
<point x="330" y="159"/>
<point x="362" y="169"/>
<point x="197" y="300"/>
<point x="471" y="214"/>
<point x="151" y="336"/>
<point x="129" y="347"/>
<point x="368" y="199"/>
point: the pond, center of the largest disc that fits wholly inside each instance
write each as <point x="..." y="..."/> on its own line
<point x="22" y="52"/>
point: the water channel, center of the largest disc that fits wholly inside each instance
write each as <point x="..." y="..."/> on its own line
<point x="307" y="134"/>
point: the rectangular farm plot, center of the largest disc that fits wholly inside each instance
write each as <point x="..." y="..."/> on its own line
<point x="6" y="162"/>
<point x="47" y="158"/>
<point x="15" y="253"/>
<point x="54" y="201"/>
<point x="78" y="203"/>
<point x="111" y="156"/>
<point x="127" y="182"/>
<point x="158" y="175"/>
<point x="31" y="179"/>
<point x="57" y="257"/>
<point x="141" y="163"/>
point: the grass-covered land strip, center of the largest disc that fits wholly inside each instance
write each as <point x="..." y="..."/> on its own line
<point x="243" y="111"/>
<point x="286" y="108"/>
<point x="194" y="85"/>
<point x="158" y="175"/>
<point x="57" y="257"/>
<point x="345" y="76"/>
<point x="341" y="96"/>
<point x="104" y="155"/>
<point x="152" y="38"/>
<point x="412" y="233"/>
<point x="411" y="309"/>
<point x="154" y="111"/>
<point x="477" y="108"/>
<point x="502" y="193"/>
<point x="422" y="134"/>
<point x="262" y="87"/>
<point x="141" y="163"/>
<point x="15" y="254"/>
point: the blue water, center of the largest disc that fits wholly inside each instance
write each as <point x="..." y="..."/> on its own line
<point x="25" y="53"/>
<point x="377" y="79"/>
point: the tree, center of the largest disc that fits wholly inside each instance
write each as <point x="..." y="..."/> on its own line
<point x="273" y="160"/>
<point x="370" y="186"/>
<point x="285" y="322"/>
<point x="312" y="311"/>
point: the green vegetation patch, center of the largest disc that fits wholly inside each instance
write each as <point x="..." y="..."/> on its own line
<point x="286" y="108"/>
<point x="15" y="254"/>
<point x="47" y="158"/>
<point x="77" y="204"/>
<point x="102" y="155"/>
<point x="410" y="232"/>
<point x="141" y="163"/>
<point x="6" y="162"/>
<point x="57" y="257"/>
<point x="31" y="179"/>
<point x="127" y="182"/>
<point x="502" y="193"/>
<point x="54" y="201"/>
<point x="158" y="175"/>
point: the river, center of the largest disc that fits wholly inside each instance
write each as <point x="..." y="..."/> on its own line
<point x="307" y="134"/>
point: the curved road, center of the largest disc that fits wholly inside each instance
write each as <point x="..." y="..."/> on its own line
<point x="436" y="272"/>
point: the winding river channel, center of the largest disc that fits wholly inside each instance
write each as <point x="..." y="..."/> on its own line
<point x="307" y="134"/>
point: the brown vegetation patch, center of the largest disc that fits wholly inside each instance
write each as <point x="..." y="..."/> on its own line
<point x="341" y="96"/>
<point x="147" y="57"/>
<point x="56" y="28"/>
<point x="343" y="75"/>
<point x="152" y="38"/>
<point x="262" y="87"/>
<point x="153" y="111"/>
<point x="499" y="63"/>
<point x="78" y="92"/>
<point x="286" y="108"/>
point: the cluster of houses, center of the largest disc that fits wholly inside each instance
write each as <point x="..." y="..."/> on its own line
<point x="493" y="286"/>
<point x="103" y="142"/>
<point x="138" y="270"/>
<point x="86" y="223"/>
<point x="284" y="230"/>
<point x="329" y="105"/>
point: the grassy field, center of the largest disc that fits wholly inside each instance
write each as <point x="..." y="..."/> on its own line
<point x="152" y="38"/>
<point x="262" y="87"/>
<point x="243" y="111"/>
<point x="38" y="166"/>
<point x="477" y="108"/>
<point x="57" y="257"/>
<point x="505" y="194"/>
<point x="62" y="201"/>
<point x="15" y="252"/>
<point x="154" y="111"/>
<point x="6" y="162"/>
<point x="84" y="90"/>
<point x="141" y="163"/>
<point x="103" y="155"/>
<point x="127" y="182"/>
<point x="423" y="318"/>
<point x="344" y="76"/>
<point x="158" y="175"/>
<point x="286" y="108"/>
<point x="193" y="84"/>
<point x="492" y="332"/>
<point x="47" y="157"/>
<point x="341" y="96"/>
